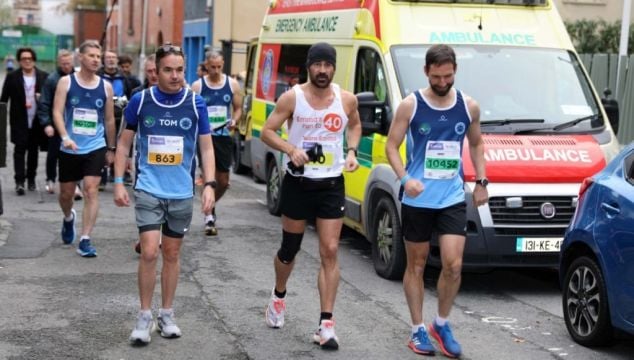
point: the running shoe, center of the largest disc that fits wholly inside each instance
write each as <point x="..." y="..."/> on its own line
<point x="210" y="228"/>
<point x="68" y="229"/>
<point x="78" y="194"/>
<point x="19" y="189"/>
<point x="85" y="248"/>
<point x="50" y="186"/>
<point x="325" y="335"/>
<point x="31" y="186"/>
<point x="142" y="330"/>
<point x="167" y="326"/>
<point x="420" y="343"/>
<point x="275" y="311"/>
<point x="448" y="345"/>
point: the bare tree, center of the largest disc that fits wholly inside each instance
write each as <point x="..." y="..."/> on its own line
<point x="6" y="13"/>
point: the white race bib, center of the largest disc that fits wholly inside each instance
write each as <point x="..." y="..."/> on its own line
<point x="442" y="159"/>
<point x="217" y="116"/>
<point x="165" y="150"/>
<point x="85" y="121"/>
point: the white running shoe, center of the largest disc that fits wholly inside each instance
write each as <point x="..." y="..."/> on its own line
<point x="167" y="326"/>
<point x="141" y="332"/>
<point x="275" y="312"/>
<point x="325" y="335"/>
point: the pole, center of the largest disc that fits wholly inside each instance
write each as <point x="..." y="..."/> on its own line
<point x="625" y="34"/>
<point x="210" y="10"/>
<point x="119" y="27"/>
<point x="143" y="40"/>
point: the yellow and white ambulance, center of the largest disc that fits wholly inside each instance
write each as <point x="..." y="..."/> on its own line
<point x="545" y="128"/>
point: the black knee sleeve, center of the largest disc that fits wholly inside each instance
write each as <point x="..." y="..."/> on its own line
<point x="291" y="244"/>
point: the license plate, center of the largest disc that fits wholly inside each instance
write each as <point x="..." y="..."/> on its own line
<point x="524" y="244"/>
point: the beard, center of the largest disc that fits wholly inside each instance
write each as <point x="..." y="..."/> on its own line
<point x="441" y="91"/>
<point x="321" y="81"/>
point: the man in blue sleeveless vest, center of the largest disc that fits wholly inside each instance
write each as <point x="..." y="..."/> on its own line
<point x="436" y="120"/>
<point x="167" y="121"/>
<point x="224" y="106"/>
<point x="84" y="117"/>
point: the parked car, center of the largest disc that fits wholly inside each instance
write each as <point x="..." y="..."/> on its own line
<point x="597" y="256"/>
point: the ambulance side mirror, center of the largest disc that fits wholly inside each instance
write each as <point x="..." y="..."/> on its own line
<point x="611" y="107"/>
<point x="373" y="114"/>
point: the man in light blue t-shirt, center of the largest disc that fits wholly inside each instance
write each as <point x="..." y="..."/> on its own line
<point x="166" y="121"/>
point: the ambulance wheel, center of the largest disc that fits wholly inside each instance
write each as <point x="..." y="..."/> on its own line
<point x="273" y="188"/>
<point x="238" y="147"/>
<point x="388" y="250"/>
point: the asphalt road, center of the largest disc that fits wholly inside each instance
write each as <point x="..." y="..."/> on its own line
<point x="57" y="305"/>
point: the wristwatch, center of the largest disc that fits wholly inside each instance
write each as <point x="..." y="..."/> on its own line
<point x="354" y="149"/>
<point x="484" y="182"/>
<point x="211" y="183"/>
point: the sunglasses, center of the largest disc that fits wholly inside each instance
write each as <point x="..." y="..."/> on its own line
<point x="168" y="49"/>
<point x="26" y="59"/>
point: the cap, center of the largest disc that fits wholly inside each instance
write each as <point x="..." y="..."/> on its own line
<point x="321" y="52"/>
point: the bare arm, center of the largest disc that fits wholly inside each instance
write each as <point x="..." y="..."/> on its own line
<point x="59" y="105"/>
<point x="395" y="137"/>
<point x="354" y="129"/>
<point x="109" y="117"/>
<point x="196" y="86"/>
<point x="209" y="171"/>
<point x="121" y="197"/>
<point x="282" y="112"/>
<point x="237" y="102"/>
<point x="476" y="151"/>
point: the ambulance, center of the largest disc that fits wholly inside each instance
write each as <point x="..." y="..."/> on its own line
<point x="544" y="126"/>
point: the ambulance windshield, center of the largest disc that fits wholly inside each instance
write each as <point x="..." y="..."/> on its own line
<point x="511" y="83"/>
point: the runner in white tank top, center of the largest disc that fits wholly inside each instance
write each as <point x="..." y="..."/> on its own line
<point x="317" y="113"/>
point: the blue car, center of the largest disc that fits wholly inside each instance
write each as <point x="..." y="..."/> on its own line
<point x="597" y="256"/>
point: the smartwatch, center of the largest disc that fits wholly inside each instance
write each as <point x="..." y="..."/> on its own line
<point x="211" y="183"/>
<point x="484" y="182"/>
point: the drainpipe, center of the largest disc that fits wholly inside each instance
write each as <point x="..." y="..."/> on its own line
<point x="143" y="40"/>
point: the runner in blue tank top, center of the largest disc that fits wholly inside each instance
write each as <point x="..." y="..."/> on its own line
<point x="436" y="120"/>
<point x="167" y="120"/>
<point x="83" y="111"/>
<point x="224" y="105"/>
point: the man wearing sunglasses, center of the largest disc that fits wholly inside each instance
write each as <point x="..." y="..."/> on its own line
<point x="22" y="89"/>
<point x="166" y="121"/>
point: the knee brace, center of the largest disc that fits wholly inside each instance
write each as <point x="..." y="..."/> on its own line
<point x="291" y="244"/>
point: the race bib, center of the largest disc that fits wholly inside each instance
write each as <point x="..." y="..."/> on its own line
<point x="85" y="121"/>
<point x="217" y="116"/>
<point x="165" y="150"/>
<point x="442" y="159"/>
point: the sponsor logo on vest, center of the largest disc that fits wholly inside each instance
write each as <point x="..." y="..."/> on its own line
<point x="99" y="103"/>
<point x="226" y="98"/>
<point x="149" y="121"/>
<point x="567" y="155"/>
<point x="74" y="100"/>
<point x="424" y="129"/>
<point x="186" y="123"/>
<point x="460" y="128"/>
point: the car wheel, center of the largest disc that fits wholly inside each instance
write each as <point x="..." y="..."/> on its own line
<point x="238" y="146"/>
<point x="273" y="188"/>
<point x="388" y="250"/>
<point x="585" y="303"/>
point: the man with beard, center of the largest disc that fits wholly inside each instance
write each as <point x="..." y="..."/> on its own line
<point x="436" y="120"/>
<point x="320" y="110"/>
<point x="224" y="105"/>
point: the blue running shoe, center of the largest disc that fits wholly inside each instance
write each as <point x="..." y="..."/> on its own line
<point x="420" y="343"/>
<point x="85" y="249"/>
<point x="68" y="229"/>
<point x="448" y="345"/>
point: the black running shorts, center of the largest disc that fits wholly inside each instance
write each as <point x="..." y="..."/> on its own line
<point x="420" y="223"/>
<point x="303" y="198"/>
<point x="223" y="151"/>
<point x="73" y="167"/>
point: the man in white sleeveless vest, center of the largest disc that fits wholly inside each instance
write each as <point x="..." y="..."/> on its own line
<point x="436" y="120"/>
<point x="317" y="114"/>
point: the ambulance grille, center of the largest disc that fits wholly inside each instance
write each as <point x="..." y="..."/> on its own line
<point x="529" y="213"/>
<point x="504" y="141"/>
<point x="545" y="141"/>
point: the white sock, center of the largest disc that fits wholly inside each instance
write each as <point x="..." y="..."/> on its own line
<point x="145" y="313"/>
<point x="84" y="237"/>
<point x="209" y="218"/>
<point x="416" y="327"/>
<point x="166" y="311"/>
<point x="69" y="218"/>
<point x="440" y="321"/>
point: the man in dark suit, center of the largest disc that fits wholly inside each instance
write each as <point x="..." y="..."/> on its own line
<point x="22" y="89"/>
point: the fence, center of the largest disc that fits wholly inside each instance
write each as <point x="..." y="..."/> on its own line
<point x="603" y="69"/>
